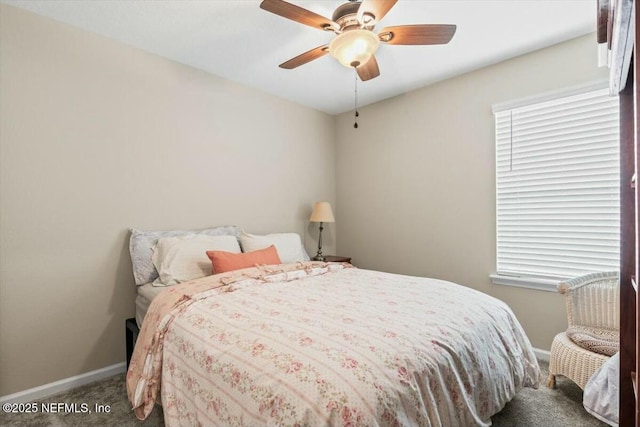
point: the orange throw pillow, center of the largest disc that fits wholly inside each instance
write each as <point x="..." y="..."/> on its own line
<point x="223" y="261"/>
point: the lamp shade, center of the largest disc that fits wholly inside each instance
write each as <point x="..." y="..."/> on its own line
<point x="322" y="213"/>
<point x="354" y="47"/>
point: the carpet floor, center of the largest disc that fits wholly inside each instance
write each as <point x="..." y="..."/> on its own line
<point x="561" y="407"/>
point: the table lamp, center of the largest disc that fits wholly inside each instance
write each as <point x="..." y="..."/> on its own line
<point x="321" y="213"/>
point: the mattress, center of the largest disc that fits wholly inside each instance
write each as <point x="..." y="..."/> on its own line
<point x="328" y="344"/>
<point x="146" y="294"/>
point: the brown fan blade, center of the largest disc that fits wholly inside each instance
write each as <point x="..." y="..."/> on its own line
<point x="369" y="70"/>
<point x="417" y="34"/>
<point x="371" y="12"/>
<point x="298" y="14"/>
<point x="305" y="57"/>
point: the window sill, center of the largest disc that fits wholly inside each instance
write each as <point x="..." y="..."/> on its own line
<point x="538" y="284"/>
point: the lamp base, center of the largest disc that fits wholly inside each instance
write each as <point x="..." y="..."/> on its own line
<point x="318" y="258"/>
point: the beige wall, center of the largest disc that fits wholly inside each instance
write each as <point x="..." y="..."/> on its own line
<point x="96" y="137"/>
<point x="416" y="183"/>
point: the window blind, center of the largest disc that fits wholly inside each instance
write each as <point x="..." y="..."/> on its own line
<point x="557" y="187"/>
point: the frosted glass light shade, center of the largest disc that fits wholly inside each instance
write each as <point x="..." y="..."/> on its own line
<point x="354" y="47"/>
<point x="322" y="213"/>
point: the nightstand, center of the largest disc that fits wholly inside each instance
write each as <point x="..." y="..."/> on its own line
<point x="335" y="258"/>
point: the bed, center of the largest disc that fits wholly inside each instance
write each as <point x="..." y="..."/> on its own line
<point x="146" y="294"/>
<point x="153" y="266"/>
<point x="313" y="343"/>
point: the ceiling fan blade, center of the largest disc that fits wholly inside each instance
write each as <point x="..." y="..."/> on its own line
<point x="305" y="57"/>
<point x="369" y="70"/>
<point x="371" y="12"/>
<point x="417" y="34"/>
<point x="298" y="14"/>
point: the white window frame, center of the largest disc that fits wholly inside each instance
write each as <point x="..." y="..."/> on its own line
<point x="532" y="280"/>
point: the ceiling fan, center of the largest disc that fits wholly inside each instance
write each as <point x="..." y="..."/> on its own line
<point x="355" y="43"/>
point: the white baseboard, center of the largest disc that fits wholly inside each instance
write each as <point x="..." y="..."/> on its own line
<point x="544" y="355"/>
<point x="63" y="385"/>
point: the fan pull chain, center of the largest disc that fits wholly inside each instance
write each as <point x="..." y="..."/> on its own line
<point x="355" y="125"/>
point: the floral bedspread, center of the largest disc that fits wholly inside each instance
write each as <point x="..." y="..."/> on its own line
<point x="324" y="344"/>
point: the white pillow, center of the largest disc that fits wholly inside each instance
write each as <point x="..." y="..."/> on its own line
<point x="183" y="258"/>
<point x="141" y="244"/>
<point x="288" y="245"/>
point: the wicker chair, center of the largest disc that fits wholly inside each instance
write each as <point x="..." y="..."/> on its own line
<point x="592" y="302"/>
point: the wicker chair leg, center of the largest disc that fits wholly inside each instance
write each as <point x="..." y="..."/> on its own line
<point x="551" y="381"/>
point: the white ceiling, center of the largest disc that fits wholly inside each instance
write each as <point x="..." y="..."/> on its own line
<point x="241" y="42"/>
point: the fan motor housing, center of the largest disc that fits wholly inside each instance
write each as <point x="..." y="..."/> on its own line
<point x="346" y="15"/>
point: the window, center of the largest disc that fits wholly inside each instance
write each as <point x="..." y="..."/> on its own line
<point x="557" y="188"/>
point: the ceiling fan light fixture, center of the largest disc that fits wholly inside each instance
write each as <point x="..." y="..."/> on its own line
<point x="354" y="47"/>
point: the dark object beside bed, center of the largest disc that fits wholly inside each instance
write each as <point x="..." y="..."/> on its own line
<point x="131" y="335"/>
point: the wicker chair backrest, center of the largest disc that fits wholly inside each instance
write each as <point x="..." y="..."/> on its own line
<point x="593" y="300"/>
